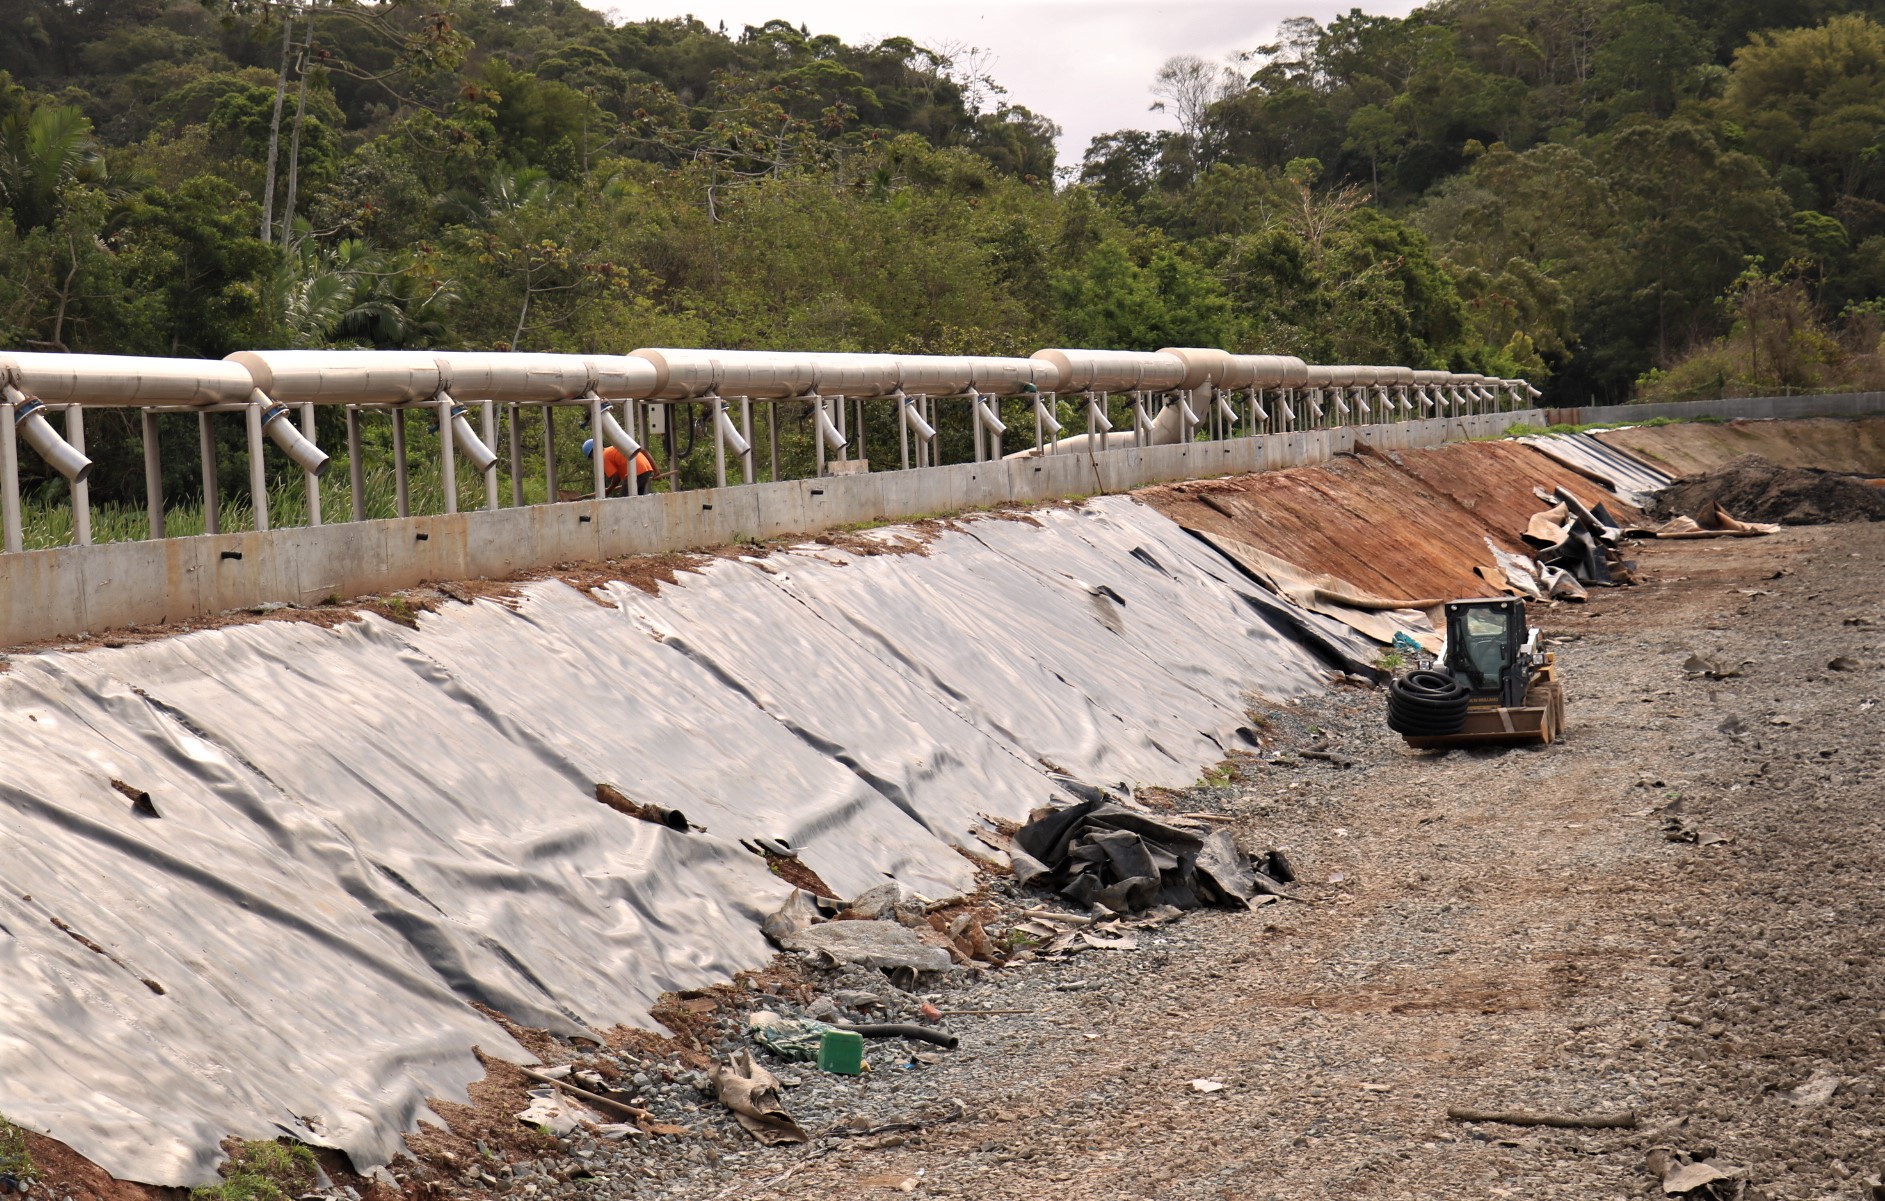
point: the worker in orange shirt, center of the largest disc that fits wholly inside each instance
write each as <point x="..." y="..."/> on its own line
<point x="615" y="469"/>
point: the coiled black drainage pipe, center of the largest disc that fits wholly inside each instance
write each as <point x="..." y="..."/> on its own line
<point x="1427" y="703"/>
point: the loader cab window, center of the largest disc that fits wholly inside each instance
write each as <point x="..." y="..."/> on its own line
<point x="1482" y="646"/>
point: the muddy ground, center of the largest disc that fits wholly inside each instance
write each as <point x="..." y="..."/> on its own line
<point x="1676" y="911"/>
<point x="1494" y="930"/>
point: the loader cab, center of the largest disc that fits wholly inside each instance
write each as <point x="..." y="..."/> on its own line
<point x="1487" y="648"/>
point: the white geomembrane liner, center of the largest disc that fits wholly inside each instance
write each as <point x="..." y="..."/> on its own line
<point x="362" y="830"/>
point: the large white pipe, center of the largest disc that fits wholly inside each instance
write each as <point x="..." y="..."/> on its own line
<point x="1221" y="369"/>
<point x="523" y="377"/>
<point x="119" y="380"/>
<point x="1267" y="371"/>
<point x="1203" y="365"/>
<point x="351" y="376"/>
<point x="1112" y="370"/>
<point x="31" y="425"/>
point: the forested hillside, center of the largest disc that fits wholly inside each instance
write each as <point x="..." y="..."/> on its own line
<point x="1607" y="196"/>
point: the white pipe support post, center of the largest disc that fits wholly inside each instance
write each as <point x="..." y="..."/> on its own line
<point x="12" y="527"/>
<point x="312" y="479"/>
<point x="719" y="442"/>
<point x="598" y="478"/>
<point x="1259" y="416"/>
<point x="356" y="465"/>
<point x="212" y="486"/>
<point x="1288" y="410"/>
<point x="153" y="475"/>
<point x="512" y="415"/>
<point x="488" y="419"/>
<point x="402" y="474"/>
<point x="82" y="488"/>
<point x="746" y="436"/>
<point x="448" y="450"/>
<point x="258" y="466"/>
<point x="820" y="423"/>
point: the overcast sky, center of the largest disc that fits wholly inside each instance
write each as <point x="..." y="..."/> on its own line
<point x="1086" y="64"/>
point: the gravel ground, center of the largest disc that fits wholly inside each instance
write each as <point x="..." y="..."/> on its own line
<point x="1676" y="911"/>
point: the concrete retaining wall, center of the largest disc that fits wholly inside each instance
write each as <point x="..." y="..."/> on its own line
<point x="1834" y="404"/>
<point x="78" y="589"/>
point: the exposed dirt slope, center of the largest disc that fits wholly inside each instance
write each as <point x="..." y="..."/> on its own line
<point x="1694" y="447"/>
<point x="1404" y="524"/>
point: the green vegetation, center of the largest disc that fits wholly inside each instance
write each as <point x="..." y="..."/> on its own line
<point x="1221" y="776"/>
<point x="1663" y="197"/>
<point x="1390" y="660"/>
<point x="16" y="1160"/>
<point x="263" y="1171"/>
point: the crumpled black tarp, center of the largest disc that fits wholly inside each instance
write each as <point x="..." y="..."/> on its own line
<point x="1577" y="539"/>
<point x="1101" y="853"/>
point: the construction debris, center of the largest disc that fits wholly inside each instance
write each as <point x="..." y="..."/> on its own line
<point x="752" y="1093"/>
<point x="885" y="946"/>
<point x="1101" y="853"/>
<point x="1683" y="1176"/>
<point x="1713" y="521"/>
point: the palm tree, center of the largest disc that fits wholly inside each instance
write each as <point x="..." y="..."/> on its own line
<point x="41" y="152"/>
<point x="354" y="295"/>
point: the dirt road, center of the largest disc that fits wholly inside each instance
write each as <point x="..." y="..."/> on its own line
<point x="1495" y="930"/>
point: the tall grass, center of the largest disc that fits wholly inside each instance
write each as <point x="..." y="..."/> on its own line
<point x="47" y="516"/>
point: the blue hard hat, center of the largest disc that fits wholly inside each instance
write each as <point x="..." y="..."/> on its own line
<point x="589" y="448"/>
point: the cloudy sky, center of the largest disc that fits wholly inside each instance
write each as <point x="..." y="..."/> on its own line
<point x="1086" y="64"/>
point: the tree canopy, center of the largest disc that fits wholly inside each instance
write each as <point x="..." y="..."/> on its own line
<point x="1572" y="190"/>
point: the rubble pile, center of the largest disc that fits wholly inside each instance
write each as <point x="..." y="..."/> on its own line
<point x="1755" y="488"/>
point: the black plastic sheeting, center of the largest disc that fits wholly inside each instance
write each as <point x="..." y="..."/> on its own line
<point x="359" y="831"/>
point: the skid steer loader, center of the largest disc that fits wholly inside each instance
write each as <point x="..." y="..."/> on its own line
<point x="1490" y="684"/>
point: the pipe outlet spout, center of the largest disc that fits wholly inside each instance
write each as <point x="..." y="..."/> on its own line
<point x="828" y="431"/>
<point x="985" y="413"/>
<point x="618" y="437"/>
<point x="730" y="433"/>
<point x="465" y="441"/>
<point x="279" y="425"/>
<point x="913" y="417"/>
<point x="60" y="455"/>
